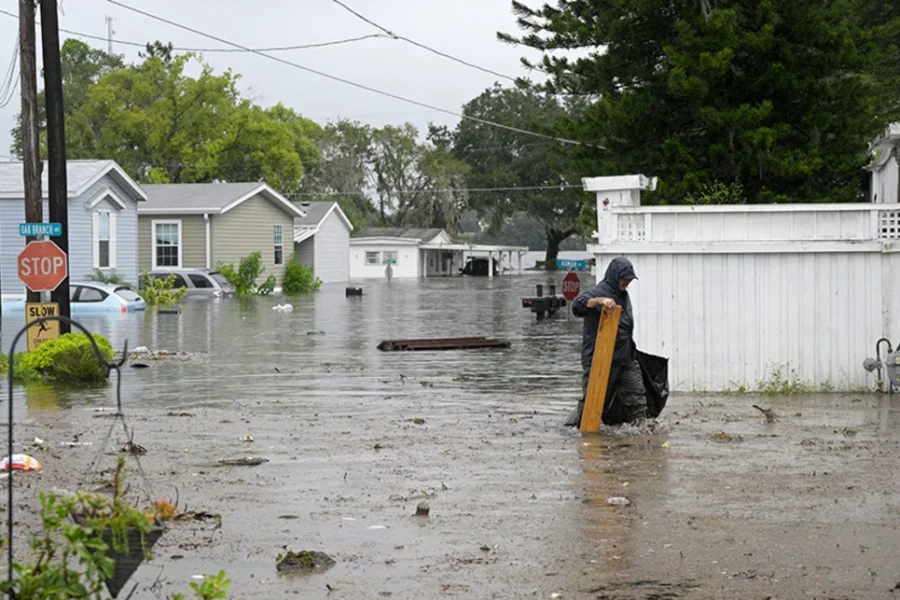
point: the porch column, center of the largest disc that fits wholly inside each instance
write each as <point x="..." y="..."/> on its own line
<point x="425" y="264"/>
<point x="519" y="253"/>
<point x="490" y="264"/>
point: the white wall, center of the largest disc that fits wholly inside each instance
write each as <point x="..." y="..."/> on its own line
<point x="407" y="260"/>
<point x="728" y="321"/>
<point x="332" y="253"/>
<point x="886" y="182"/>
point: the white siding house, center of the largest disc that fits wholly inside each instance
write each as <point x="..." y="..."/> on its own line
<point x="755" y="296"/>
<point x="405" y="248"/>
<point x="322" y="240"/>
<point x="102" y="215"/>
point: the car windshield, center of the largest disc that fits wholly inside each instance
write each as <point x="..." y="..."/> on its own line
<point x="220" y="279"/>
<point x="127" y="294"/>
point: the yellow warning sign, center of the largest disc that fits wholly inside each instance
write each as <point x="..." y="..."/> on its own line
<point x="48" y="330"/>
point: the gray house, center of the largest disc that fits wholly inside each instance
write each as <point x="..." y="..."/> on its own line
<point x="102" y="226"/>
<point x="198" y="225"/>
<point x="322" y="240"/>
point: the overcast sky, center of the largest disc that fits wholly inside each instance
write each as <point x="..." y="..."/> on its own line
<point x="464" y="28"/>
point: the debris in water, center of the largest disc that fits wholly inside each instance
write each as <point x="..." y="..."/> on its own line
<point x="422" y="509"/>
<point x="304" y="560"/>
<point x="133" y="449"/>
<point x="667" y="445"/>
<point x="247" y="438"/>
<point x="849" y="431"/>
<point x="771" y="417"/>
<point x="419" y="421"/>
<point x="21" y="462"/>
<point x="618" y="501"/>
<point x="138" y="365"/>
<point x="179" y="414"/>
<point x="485" y="548"/>
<point x="725" y="437"/>
<point x="461" y="343"/>
<point x="243" y="462"/>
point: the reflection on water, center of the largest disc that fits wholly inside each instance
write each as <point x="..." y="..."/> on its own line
<point x="327" y="345"/>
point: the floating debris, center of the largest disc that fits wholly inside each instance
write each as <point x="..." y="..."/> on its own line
<point x="618" y="501"/>
<point x="247" y="461"/>
<point x="423" y="509"/>
<point x="461" y="343"/>
<point x="304" y="560"/>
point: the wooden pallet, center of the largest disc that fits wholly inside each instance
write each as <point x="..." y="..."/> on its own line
<point x="601" y="366"/>
<point x="461" y="343"/>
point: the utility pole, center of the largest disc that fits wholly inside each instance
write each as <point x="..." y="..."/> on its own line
<point x="56" y="144"/>
<point x="109" y="33"/>
<point x="31" y="152"/>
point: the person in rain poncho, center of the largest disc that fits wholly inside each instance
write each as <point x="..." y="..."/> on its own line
<point x="625" y="379"/>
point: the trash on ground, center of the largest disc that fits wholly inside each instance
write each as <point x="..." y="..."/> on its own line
<point x="246" y="461"/>
<point x="618" y="501"/>
<point x="304" y="560"/>
<point x="462" y="343"/>
<point x="423" y="509"/>
<point x="283" y="307"/>
<point x="21" y="462"/>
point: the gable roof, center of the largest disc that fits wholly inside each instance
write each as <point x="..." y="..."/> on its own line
<point x="406" y="233"/>
<point x="80" y="176"/>
<point x="213" y="198"/>
<point x="317" y="212"/>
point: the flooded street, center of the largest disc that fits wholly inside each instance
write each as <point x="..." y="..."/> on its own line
<point x="717" y="503"/>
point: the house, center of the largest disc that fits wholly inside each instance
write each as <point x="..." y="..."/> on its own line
<point x="769" y="297"/>
<point x="885" y="167"/>
<point x="322" y="240"/>
<point x="102" y="220"/>
<point x="198" y="225"/>
<point x="419" y="253"/>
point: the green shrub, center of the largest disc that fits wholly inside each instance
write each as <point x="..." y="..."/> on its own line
<point x="718" y="193"/>
<point x="70" y="358"/>
<point x="267" y="287"/>
<point x="112" y="278"/>
<point x="160" y="292"/>
<point x="244" y="277"/>
<point x="299" y="278"/>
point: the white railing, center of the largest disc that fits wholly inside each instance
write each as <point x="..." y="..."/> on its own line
<point x="749" y="223"/>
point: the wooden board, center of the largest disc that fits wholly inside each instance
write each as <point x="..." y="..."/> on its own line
<point x="601" y="365"/>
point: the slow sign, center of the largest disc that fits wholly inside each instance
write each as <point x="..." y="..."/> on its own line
<point x="571" y="285"/>
<point x="43" y="332"/>
<point x="42" y="266"/>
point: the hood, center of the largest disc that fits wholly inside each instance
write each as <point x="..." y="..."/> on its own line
<point x="618" y="267"/>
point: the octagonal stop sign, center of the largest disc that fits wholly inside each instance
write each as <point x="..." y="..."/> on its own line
<point x="571" y="286"/>
<point x="42" y="266"/>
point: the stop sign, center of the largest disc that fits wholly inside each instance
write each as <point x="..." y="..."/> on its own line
<point x="571" y="285"/>
<point x="42" y="266"/>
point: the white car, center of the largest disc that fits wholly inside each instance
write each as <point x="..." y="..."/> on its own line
<point x="89" y="297"/>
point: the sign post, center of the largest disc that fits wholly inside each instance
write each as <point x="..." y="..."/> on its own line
<point x="571" y="285"/>
<point x="48" y="330"/>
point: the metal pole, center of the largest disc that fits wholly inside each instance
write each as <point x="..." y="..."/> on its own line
<point x="56" y="143"/>
<point x="31" y="152"/>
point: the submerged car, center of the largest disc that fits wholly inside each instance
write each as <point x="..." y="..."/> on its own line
<point x="200" y="283"/>
<point x="89" y="297"/>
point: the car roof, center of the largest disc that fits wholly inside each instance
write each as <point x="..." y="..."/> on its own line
<point x="109" y="287"/>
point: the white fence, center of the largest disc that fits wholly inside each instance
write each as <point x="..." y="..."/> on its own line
<point x="743" y="298"/>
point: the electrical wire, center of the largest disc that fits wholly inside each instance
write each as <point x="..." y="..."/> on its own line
<point x="345" y="81"/>
<point x="10" y="80"/>
<point x="419" y="44"/>
<point x="209" y="50"/>
<point x="530" y="188"/>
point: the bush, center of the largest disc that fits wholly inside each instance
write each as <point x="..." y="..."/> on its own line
<point x="69" y="358"/>
<point x="718" y="193"/>
<point x="244" y="277"/>
<point x="299" y="278"/>
<point x="160" y="292"/>
<point x="102" y="277"/>
<point x="267" y="287"/>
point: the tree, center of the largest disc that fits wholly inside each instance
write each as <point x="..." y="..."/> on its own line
<point x="779" y="96"/>
<point x="162" y="125"/>
<point x="500" y="158"/>
<point x="82" y="67"/>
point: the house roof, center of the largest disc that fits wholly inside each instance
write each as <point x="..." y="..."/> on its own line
<point x="421" y="235"/>
<point x="316" y="213"/>
<point x="214" y="198"/>
<point x="80" y="176"/>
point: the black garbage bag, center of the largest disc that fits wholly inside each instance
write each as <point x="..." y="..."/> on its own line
<point x="655" y="370"/>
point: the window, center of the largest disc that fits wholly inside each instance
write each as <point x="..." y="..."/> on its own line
<point x="279" y="244"/>
<point x="88" y="294"/>
<point x="389" y="257"/>
<point x="199" y="281"/>
<point x="372" y="258"/>
<point x="127" y="294"/>
<point x="104" y="234"/>
<point x="177" y="280"/>
<point x="166" y="244"/>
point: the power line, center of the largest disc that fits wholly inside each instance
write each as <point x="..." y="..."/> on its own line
<point x="208" y="50"/>
<point x="531" y="188"/>
<point x="10" y="80"/>
<point x="346" y="81"/>
<point x="420" y="45"/>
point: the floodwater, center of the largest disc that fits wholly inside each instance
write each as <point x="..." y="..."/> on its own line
<point x="717" y="502"/>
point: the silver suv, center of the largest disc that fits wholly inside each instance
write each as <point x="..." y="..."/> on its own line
<point x="200" y="283"/>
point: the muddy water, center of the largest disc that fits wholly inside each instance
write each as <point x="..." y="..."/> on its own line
<point x="719" y="503"/>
